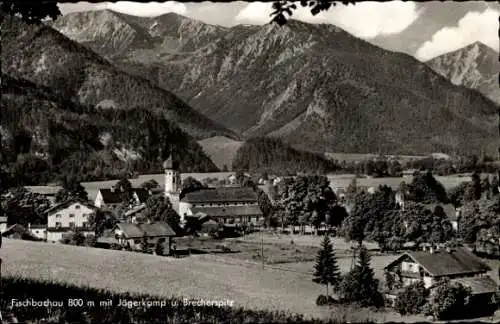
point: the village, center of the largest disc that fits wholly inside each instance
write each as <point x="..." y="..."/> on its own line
<point x="241" y="218"/>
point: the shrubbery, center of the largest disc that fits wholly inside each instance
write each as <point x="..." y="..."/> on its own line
<point x="412" y="299"/>
<point x="174" y="310"/>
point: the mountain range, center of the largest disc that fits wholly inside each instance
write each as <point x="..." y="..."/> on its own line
<point x="40" y="54"/>
<point x="315" y="86"/>
<point x="475" y="66"/>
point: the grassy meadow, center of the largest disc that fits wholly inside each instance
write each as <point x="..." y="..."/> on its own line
<point x="197" y="276"/>
<point x="221" y="150"/>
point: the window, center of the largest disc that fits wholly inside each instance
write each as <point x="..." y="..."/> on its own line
<point x="71" y="224"/>
<point x="85" y="215"/>
<point x="58" y="215"/>
<point x="85" y="224"/>
<point x="137" y="241"/>
<point x="58" y="224"/>
<point x="77" y="206"/>
<point x="71" y="215"/>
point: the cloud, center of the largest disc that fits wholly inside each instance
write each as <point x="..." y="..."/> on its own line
<point x="129" y="7"/>
<point x="474" y="26"/>
<point x="364" y="19"/>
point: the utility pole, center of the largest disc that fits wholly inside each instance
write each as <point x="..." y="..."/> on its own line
<point x="262" y="247"/>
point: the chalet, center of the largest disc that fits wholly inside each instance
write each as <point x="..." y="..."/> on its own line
<point x="112" y="197"/>
<point x="69" y="216"/>
<point x="3" y="223"/>
<point x="434" y="263"/>
<point x="132" y="235"/>
<point x="226" y="204"/>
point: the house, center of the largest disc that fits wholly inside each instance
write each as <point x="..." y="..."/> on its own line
<point x="133" y="213"/>
<point x="112" y="197"/>
<point x="48" y="192"/>
<point x="39" y="231"/>
<point x="18" y="231"/>
<point x="435" y="263"/>
<point x="132" y="235"/>
<point x="68" y="216"/>
<point x="451" y="213"/>
<point x="3" y="223"/>
<point x="226" y="204"/>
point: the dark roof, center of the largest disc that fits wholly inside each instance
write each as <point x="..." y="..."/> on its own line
<point x="448" y="209"/>
<point x="479" y="285"/>
<point x="111" y="196"/>
<point x="19" y="231"/>
<point x="142" y="194"/>
<point x="444" y="263"/>
<point x="151" y="230"/>
<point x="223" y="194"/>
<point x="228" y="211"/>
<point x="67" y="203"/>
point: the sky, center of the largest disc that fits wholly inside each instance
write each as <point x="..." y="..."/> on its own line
<point x="422" y="29"/>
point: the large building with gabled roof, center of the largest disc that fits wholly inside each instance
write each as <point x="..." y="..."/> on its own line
<point x="224" y="204"/>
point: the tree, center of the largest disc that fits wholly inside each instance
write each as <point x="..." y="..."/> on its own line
<point x="351" y="191"/>
<point x="265" y="205"/>
<point x="326" y="269"/>
<point x="71" y="189"/>
<point x="31" y="12"/>
<point x="23" y="207"/>
<point x="424" y="188"/>
<point x="412" y="299"/>
<point x="449" y="301"/>
<point x="102" y="220"/>
<point x="359" y="285"/>
<point x="159" y="209"/>
<point x="190" y="184"/>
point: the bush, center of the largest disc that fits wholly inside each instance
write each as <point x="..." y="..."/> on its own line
<point x="173" y="310"/>
<point x="450" y="301"/>
<point x="412" y="299"/>
<point x="323" y="300"/>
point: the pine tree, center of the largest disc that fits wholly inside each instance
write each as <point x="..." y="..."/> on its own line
<point x="326" y="269"/>
<point x="360" y="285"/>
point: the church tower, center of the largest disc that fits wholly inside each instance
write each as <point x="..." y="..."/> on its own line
<point x="172" y="182"/>
<point x="172" y="176"/>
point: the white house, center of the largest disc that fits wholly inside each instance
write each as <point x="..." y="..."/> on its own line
<point x="39" y="231"/>
<point x="69" y="216"/>
<point x="226" y="204"/>
<point x="3" y="223"/>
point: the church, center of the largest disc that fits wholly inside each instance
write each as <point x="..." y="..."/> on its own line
<point x="238" y="205"/>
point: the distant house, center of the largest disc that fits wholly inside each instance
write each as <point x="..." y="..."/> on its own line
<point x="48" y="192"/>
<point x="40" y="231"/>
<point x="451" y="213"/>
<point x="113" y="197"/>
<point x="132" y="235"/>
<point x="18" y="231"/>
<point x="3" y="223"/>
<point x="69" y="216"/>
<point x="133" y="213"/>
<point x="434" y="263"/>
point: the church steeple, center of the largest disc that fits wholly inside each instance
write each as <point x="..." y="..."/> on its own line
<point x="172" y="175"/>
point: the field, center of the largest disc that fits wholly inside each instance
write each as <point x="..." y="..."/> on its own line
<point x="221" y="150"/>
<point x="198" y="276"/>
<point x="353" y="157"/>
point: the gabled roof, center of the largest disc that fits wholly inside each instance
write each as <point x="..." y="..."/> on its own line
<point x="444" y="263"/>
<point x="111" y="196"/>
<point x="132" y="230"/>
<point x="223" y="194"/>
<point x="67" y="203"/>
<point x="228" y="211"/>
<point x="448" y="209"/>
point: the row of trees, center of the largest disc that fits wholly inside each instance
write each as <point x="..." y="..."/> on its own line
<point x="357" y="286"/>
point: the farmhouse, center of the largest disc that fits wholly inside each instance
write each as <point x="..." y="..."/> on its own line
<point x="18" y="231"/>
<point x="3" y="223"/>
<point x="436" y="263"/>
<point x="132" y="235"/>
<point x="66" y="217"/>
<point x="226" y="204"/>
<point x="112" y="197"/>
